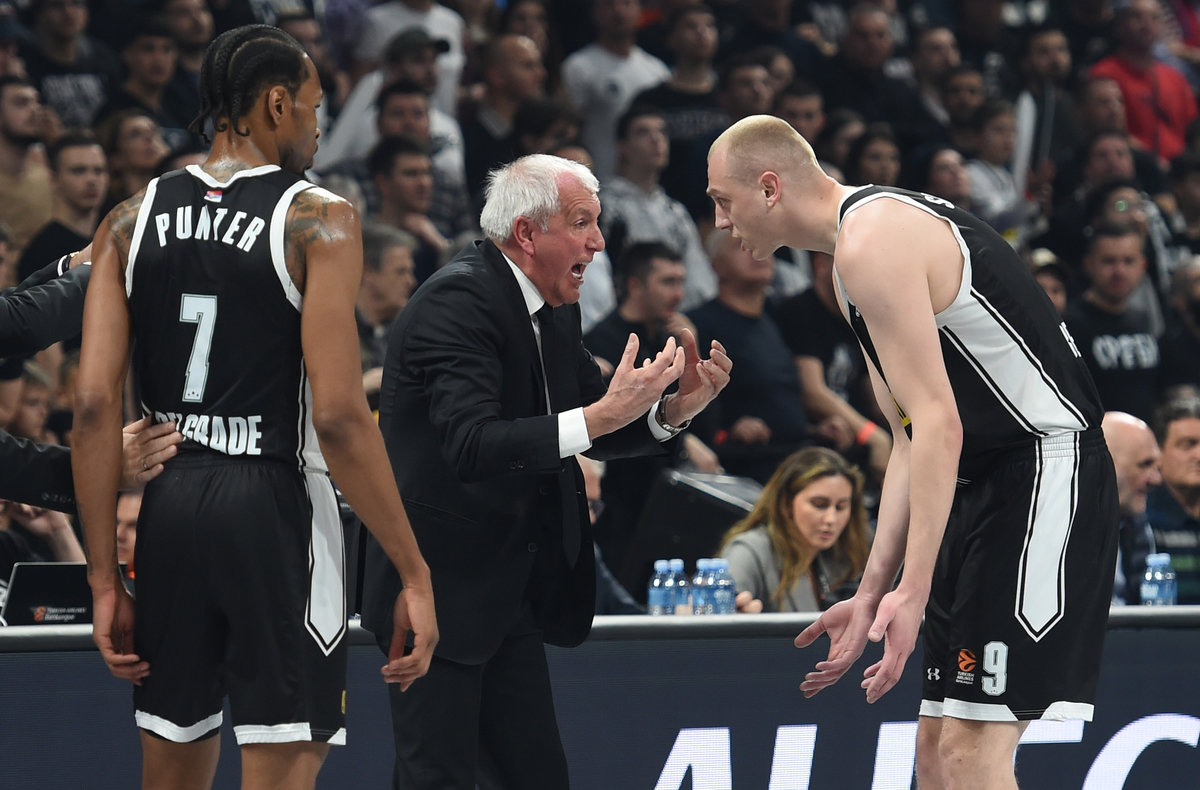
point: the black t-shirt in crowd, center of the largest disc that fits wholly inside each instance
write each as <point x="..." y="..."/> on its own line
<point x="607" y="339"/>
<point x="76" y="91"/>
<point x="810" y="330"/>
<point x="692" y="119"/>
<point x="1180" y="358"/>
<point x="1121" y="354"/>
<point x="767" y="385"/>
<point x="50" y="243"/>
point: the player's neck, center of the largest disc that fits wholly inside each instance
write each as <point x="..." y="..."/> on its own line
<point x="816" y="217"/>
<point x="232" y="153"/>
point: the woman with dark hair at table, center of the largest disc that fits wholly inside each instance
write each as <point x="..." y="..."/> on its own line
<point x="804" y="546"/>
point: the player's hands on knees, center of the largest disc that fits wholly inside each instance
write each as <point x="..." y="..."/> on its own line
<point x="414" y="612"/>
<point x="897" y="622"/>
<point x="847" y="624"/>
<point x="634" y="390"/>
<point x="112" y="631"/>
<point x="145" y="447"/>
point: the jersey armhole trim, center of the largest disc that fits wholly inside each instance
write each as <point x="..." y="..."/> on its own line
<point x="138" y="228"/>
<point x="278" y="257"/>
<point x="964" y="285"/>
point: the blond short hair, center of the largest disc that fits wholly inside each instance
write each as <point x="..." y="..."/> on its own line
<point x="760" y="143"/>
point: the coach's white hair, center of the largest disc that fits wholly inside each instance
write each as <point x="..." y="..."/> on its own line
<point x="528" y="188"/>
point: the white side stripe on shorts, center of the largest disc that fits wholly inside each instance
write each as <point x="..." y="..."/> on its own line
<point x="1041" y="582"/>
<point x="325" y="617"/>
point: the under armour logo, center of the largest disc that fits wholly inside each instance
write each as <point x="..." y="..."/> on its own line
<point x="934" y="674"/>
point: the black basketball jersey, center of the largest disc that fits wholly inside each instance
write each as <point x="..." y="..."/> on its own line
<point x="217" y="316"/>
<point x="1015" y="371"/>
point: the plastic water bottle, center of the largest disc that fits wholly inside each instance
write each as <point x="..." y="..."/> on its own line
<point x="681" y="598"/>
<point x="658" y="596"/>
<point x="1158" y="585"/>
<point x="701" y="592"/>
<point x="723" y="591"/>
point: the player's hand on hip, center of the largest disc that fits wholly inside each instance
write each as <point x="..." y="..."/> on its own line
<point x="897" y="622"/>
<point x="146" y="446"/>
<point x="634" y="390"/>
<point x="701" y="381"/>
<point x="847" y="624"/>
<point x="112" y="631"/>
<point x="414" y="612"/>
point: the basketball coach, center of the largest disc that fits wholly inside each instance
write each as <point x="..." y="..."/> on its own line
<point x="487" y="395"/>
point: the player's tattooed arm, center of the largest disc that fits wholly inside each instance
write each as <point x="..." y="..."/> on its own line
<point x="121" y="223"/>
<point x="317" y="216"/>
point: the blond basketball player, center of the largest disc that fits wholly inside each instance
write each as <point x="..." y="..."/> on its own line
<point x="999" y="502"/>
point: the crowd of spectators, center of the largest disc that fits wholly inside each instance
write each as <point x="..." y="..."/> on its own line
<point x="1071" y="127"/>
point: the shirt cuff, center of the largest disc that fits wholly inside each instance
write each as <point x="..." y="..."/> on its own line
<point x="659" y="433"/>
<point x="573" y="433"/>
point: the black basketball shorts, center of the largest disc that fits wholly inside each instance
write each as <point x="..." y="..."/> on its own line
<point x="240" y="593"/>
<point x="1018" y="610"/>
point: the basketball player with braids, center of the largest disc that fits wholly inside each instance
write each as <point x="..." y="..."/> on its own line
<point x="237" y="279"/>
<point x="1000" y="498"/>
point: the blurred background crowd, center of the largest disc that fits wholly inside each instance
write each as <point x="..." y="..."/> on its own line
<point x="1070" y="126"/>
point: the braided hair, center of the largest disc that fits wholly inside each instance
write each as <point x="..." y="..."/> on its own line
<point x="238" y="66"/>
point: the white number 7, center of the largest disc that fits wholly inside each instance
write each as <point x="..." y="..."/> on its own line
<point x="200" y="310"/>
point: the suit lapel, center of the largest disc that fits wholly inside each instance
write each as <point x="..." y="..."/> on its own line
<point x="514" y="299"/>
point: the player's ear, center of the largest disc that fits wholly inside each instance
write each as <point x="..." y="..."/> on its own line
<point x="768" y="184"/>
<point x="277" y="103"/>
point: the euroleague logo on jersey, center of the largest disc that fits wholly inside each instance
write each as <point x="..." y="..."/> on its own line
<point x="966" y="668"/>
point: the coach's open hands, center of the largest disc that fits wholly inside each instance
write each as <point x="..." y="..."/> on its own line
<point x="414" y="612"/>
<point x="701" y="381"/>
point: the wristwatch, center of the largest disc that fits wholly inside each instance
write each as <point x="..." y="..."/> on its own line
<point x="660" y="417"/>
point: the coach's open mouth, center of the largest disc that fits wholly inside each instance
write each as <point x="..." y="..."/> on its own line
<point x="577" y="270"/>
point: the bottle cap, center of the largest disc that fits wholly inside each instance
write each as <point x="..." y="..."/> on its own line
<point x="676" y="564"/>
<point x="703" y="565"/>
<point x="721" y="563"/>
<point x="661" y="566"/>
<point x="1158" y="560"/>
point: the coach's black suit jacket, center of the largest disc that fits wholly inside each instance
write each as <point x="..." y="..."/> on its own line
<point x="44" y="309"/>
<point x="476" y="459"/>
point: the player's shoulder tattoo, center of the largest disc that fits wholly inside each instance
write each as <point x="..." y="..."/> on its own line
<point x="122" y="221"/>
<point x="310" y="220"/>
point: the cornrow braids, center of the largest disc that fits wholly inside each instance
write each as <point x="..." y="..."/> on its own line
<point x="238" y="66"/>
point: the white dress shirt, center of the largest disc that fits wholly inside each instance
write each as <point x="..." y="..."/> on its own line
<point x="573" y="435"/>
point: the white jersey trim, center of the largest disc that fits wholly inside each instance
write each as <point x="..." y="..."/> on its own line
<point x="173" y="732"/>
<point x="984" y="338"/>
<point x="199" y="173"/>
<point x="272" y="733"/>
<point x="278" y="257"/>
<point x="982" y="711"/>
<point x="139" y="227"/>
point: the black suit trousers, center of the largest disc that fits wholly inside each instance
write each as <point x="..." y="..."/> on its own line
<point x="489" y="724"/>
